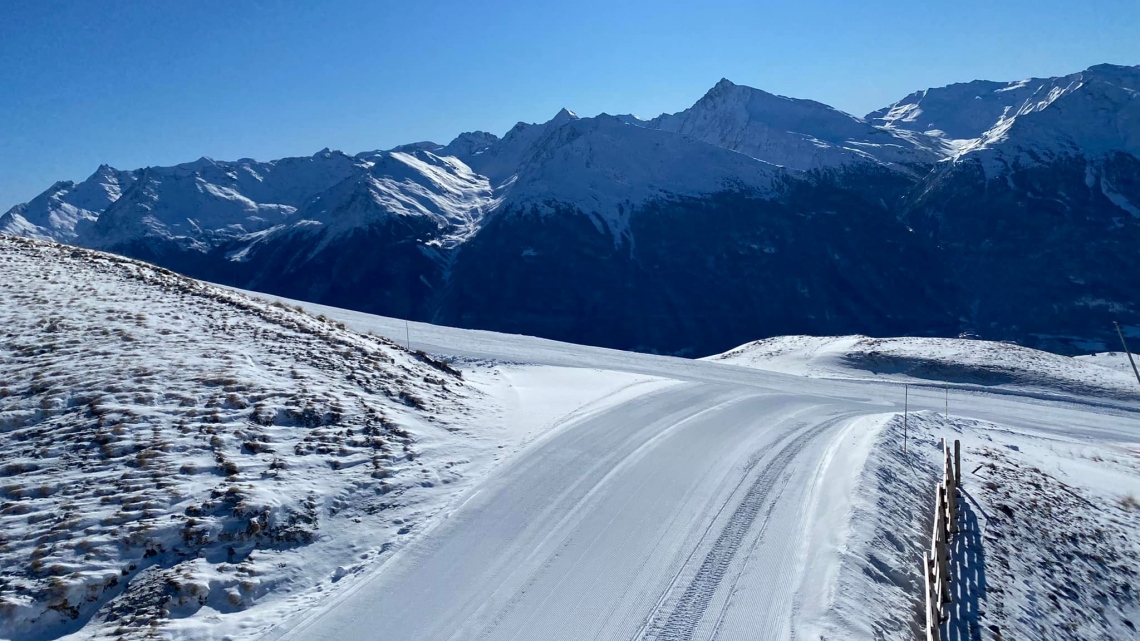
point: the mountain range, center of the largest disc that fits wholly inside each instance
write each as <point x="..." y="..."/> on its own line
<point x="1010" y="210"/>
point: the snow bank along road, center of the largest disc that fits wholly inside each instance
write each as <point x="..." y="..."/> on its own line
<point x="690" y="511"/>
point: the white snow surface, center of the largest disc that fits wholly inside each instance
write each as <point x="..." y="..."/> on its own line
<point x="733" y="503"/>
<point x="196" y="202"/>
<point x="401" y="184"/>
<point x="1112" y="360"/>
<point x="551" y="491"/>
<point x="962" y="363"/>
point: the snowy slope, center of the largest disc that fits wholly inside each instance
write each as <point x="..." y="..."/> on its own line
<point x="1091" y="113"/>
<point x="163" y="437"/>
<point x="1044" y="549"/>
<point x="409" y="184"/>
<point x="500" y="159"/>
<point x="924" y="360"/>
<point x="961" y="111"/>
<point x="1112" y="360"/>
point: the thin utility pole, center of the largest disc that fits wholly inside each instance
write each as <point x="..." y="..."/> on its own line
<point x="906" y="408"/>
<point x="1121" y="335"/>
<point x="408" y="330"/>
<point x="948" y="402"/>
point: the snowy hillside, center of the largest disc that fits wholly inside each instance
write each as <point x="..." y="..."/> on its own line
<point x="163" y="439"/>
<point x="1112" y="360"/>
<point x="926" y="360"/>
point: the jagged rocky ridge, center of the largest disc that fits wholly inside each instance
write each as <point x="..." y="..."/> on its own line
<point x="1011" y="210"/>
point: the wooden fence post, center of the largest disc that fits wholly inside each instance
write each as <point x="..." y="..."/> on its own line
<point x="951" y="489"/>
<point x="936" y="562"/>
<point x="957" y="463"/>
<point x="943" y="551"/>
<point x="931" y="619"/>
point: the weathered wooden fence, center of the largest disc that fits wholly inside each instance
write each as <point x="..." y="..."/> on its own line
<point x="936" y="561"/>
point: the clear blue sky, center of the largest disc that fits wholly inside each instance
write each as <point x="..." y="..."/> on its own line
<point x="153" y="82"/>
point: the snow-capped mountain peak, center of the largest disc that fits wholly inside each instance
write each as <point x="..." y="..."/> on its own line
<point x="1093" y="112"/>
<point x="795" y="133"/>
<point x="468" y="144"/>
<point x="54" y="214"/>
<point x="499" y="159"/>
<point x="563" y="116"/>
<point x="606" y="169"/>
<point x="1088" y="112"/>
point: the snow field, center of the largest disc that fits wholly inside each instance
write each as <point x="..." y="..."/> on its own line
<point x="958" y="362"/>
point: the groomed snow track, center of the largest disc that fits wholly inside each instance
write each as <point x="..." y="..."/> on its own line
<point x="640" y="521"/>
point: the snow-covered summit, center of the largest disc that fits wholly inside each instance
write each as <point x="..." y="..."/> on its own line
<point x="468" y="144"/>
<point x="415" y="184"/>
<point x="1090" y="112"/>
<point x="55" y="213"/>
<point x="499" y="160"/>
<point x="191" y="202"/>
<point x="792" y="132"/>
<point x="607" y="168"/>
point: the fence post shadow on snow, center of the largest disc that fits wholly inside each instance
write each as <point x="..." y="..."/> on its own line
<point x="954" y="567"/>
<point x="968" y="577"/>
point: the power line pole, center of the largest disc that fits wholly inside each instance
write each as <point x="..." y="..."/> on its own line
<point x="408" y="329"/>
<point x="1121" y="335"/>
<point x="906" y="408"/>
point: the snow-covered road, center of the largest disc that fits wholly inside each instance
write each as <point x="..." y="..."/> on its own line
<point x="669" y="516"/>
<point x="698" y="509"/>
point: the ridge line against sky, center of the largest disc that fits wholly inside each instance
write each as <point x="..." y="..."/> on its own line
<point x="138" y="84"/>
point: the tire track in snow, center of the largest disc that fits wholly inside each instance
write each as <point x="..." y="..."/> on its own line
<point x="680" y="622"/>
